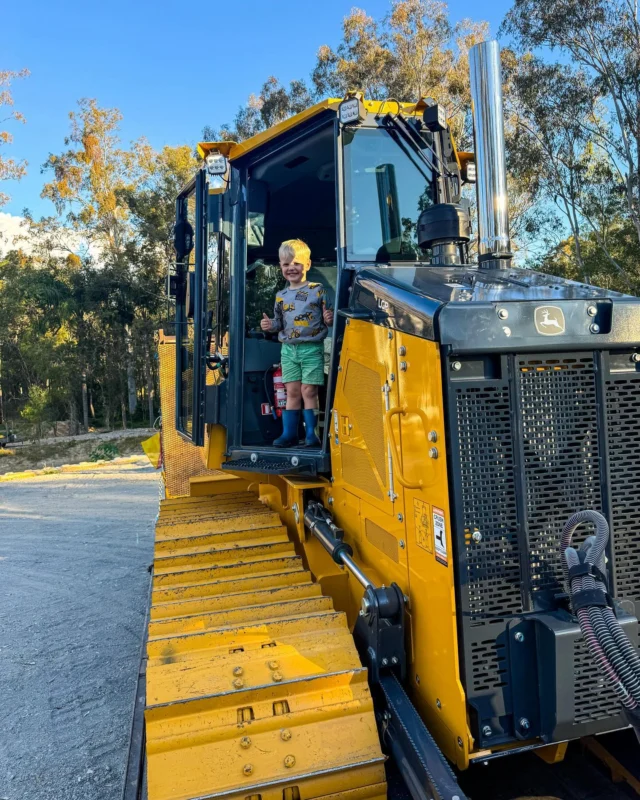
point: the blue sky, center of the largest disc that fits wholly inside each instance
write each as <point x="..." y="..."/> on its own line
<point x="170" y="68"/>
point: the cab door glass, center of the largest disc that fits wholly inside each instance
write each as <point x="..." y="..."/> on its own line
<point x="185" y="332"/>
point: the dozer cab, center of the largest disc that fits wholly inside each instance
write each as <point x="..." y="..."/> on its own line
<point x="372" y="617"/>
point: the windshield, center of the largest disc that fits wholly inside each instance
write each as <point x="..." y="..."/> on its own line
<point x="385" y="192"/>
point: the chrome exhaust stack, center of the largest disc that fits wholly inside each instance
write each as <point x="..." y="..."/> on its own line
<point x="494" y="243"/>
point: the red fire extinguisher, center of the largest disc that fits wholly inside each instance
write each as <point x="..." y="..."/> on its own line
<point x="279" y="391"/>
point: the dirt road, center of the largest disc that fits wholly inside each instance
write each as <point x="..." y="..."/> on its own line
<point x="74" y="552"/>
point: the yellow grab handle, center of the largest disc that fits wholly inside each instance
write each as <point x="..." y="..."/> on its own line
<point x="394" y="448"/>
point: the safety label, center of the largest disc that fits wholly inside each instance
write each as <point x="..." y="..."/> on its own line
<point x="440" y="536"/>
<point x="424" y="536"/>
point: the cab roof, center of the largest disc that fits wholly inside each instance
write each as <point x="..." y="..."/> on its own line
<point x="234" y="150"/>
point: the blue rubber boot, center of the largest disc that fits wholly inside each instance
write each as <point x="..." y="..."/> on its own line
<point x="310" y="440"/>
<point x="290" y="422"/>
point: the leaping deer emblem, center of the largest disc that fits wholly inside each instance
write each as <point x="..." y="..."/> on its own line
<point x="549" y="320"/>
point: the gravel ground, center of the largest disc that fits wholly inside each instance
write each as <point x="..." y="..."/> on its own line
<point x="74" y="553"/>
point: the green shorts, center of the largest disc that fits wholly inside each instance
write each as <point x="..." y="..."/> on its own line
<point x="303" y="362"/>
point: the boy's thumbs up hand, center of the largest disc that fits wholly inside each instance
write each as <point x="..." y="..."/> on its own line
<point x="265" y="322"/>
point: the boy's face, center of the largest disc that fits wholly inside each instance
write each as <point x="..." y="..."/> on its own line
<point x="293" y="271"/>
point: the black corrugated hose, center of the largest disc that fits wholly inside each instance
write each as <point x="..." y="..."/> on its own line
<point x="586" y="583"/>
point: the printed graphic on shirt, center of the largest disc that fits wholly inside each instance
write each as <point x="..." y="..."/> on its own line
<point x="298" y="313"/>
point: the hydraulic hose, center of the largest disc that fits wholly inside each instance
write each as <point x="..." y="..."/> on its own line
<point x="586" y="583"/>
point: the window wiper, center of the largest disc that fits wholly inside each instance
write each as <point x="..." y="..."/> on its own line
<point x="410" y="135"/>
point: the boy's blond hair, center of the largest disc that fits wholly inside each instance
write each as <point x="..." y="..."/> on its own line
<point x="295" y="250"/>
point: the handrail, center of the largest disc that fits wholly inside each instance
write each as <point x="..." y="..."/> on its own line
<point x="392" y="412"/>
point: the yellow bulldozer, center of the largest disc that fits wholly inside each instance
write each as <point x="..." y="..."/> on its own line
<point x="399" y="611"/>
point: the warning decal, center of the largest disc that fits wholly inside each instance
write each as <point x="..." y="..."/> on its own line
<point x="421" y="515"/>
<point x="440" y="536"/>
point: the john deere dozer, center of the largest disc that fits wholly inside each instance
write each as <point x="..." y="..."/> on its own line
<point x="398" y="612"/>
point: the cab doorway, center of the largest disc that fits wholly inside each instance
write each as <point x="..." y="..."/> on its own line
<point x="291" y="194"/>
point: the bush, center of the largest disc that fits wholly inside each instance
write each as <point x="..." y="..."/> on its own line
<point x="4" y="451"/>
<point x="37" y="411"/>
<point x="106" y="451"/>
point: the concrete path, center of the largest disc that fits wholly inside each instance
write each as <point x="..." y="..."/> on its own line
<point x="74" y="553"/>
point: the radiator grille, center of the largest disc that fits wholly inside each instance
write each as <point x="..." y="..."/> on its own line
<point x="490" y="666"/>
<point x="488" y="501"/>
<point x="560" y="450"/>
<point x="532" y="443"/>
<point x="623" y="413"/>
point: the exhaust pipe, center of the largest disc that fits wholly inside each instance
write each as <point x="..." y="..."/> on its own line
<point x="494" y="244"/>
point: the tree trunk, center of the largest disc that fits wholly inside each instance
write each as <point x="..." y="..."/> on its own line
<point x="85" y="402"/>
<point x="107" y="416"/>
<point x="73" y="416"/>
<point x="131" y="376"/>
<point x="148" y="374"/>
<point x="3" y="417"/>
<point x="123" y="406"/>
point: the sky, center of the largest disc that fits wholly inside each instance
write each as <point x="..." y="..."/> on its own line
<point x="171" y="68"/>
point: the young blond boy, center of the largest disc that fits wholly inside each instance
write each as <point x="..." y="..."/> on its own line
<point x="301" y="317"/>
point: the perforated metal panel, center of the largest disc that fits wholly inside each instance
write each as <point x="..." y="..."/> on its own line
<point x="593" y="699"/>
<point x="488" y="501"/>
<point x="363" y="390"/>
<point x="559" y="434"/>
<point x="490" y="668"/>
<point x="534" y="438"/>
<point x="623" y="414"/>
<point x="356" y="469"/>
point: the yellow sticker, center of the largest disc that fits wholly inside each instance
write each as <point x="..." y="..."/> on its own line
<point x="421" y="516"/>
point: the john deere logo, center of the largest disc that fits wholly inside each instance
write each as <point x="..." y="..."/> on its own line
<point x="549" y="320"/>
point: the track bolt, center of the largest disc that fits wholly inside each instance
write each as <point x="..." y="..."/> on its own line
<point x="276" y="676"/>
<point x="592" y="311"/>
<point x="503" y="313"/>
<point x="273" y="664"/>
<point x="433" y="436"/>
<point x="456" y="366"/>
<point x="385" y="661"/>
<point x="394" y="660"/>
<point x="519" y="637"/>
<point x="635" y="358"/>
<point x="486" y="731"/>
<point x="460" y="742"/>
<point x="524" y="723"/>
<point x="595" y="328"/>
<point x="402" y="350"/>
<point x="289" y="761"/>
<point x="400" y="518"/>
<point x="285" y="734"/>
<point x="245" y="742"/>
<point x="433" y="452"/>
<point x="237" y="671"/>
<point x="401" y="544"/>
<point x="476" y="536"/>
<point x="247" y="769"/>
<point x="438" y="704"/>
<point x="238" y="683"/>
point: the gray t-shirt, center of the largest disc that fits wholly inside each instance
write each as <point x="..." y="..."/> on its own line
<point x="298" y="313"/>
